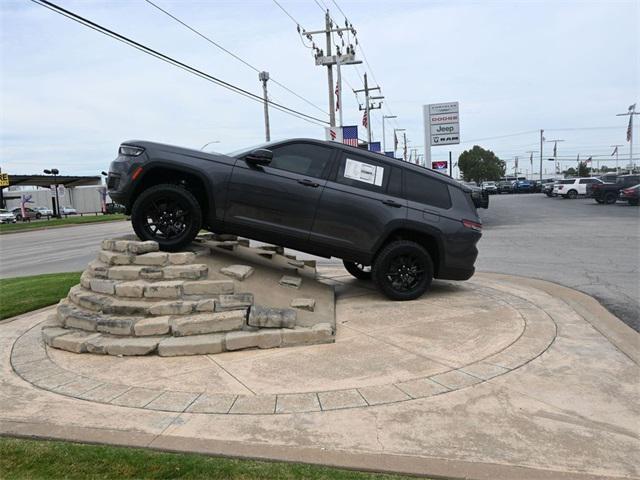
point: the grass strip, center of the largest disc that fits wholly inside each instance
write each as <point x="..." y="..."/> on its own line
<point x="37" y="459"/>
<point x="23" y="294"/>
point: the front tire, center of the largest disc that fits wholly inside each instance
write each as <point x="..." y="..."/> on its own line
<point x="358" y="270"/>
<point x="610" y="198"/>
<point x="633" y="202"/>
<point x="167" y="214"/>
<point x="403" y="270"/>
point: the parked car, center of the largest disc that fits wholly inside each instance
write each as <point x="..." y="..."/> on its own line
<point x="572" y="187"/>
<point x="540" y="185"/>
<point x="30" y="213"/>
<point x="605" y="192"/>
<point x="478" y="195"/>
<point x="408" y="223"/>
<point x="44" y="211"/>
<point x="505" y="186"/>
<point x="548" y="188"/>
<point x="631" y="195"/>
<point x="6" y="216"/>
<point x="522" y="186"/>
<point x="112" y="208"/>
<point x="68" y="211"/>
<point x="490" y="187"/>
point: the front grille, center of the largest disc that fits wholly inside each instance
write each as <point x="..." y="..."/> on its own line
<point x="113" y="181"/>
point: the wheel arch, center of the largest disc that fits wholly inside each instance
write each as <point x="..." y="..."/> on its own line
<point x="190" y="178"/>
<point x="429" y="239"/>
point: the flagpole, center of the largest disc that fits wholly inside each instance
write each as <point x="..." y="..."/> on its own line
<point x="339" y="87"/>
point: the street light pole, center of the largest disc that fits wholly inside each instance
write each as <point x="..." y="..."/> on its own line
<point x="384" y="132"/>
<point x="55" y="172"/>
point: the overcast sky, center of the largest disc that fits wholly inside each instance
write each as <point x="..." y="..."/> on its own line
<point x="70" y="95"/>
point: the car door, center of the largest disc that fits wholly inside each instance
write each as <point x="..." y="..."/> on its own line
<point x="361" y="199"/>
<point x="281" y="198"/>
<point x="584" y="185"/>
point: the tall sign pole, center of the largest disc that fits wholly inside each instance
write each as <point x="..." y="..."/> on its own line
<point x="541" y="143"/>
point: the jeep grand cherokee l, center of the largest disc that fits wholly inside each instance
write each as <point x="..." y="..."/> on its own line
<point x="395" y="222"/>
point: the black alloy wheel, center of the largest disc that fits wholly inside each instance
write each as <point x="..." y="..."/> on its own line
<point x="358" y="270"/>
<point x="167" y="214"/>
<point x="403" y="270"/>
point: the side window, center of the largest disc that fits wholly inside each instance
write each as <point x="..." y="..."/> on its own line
<point x="424" y="189"/>
<point x="394" y="186"/>
<point x="304" y="159"/>
<point x="363" y="172"/>
<point x="586" y="180"/>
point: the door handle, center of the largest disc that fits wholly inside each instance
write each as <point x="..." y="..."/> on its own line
<point x="392" y="203"/>
<point x="308" y="183"/>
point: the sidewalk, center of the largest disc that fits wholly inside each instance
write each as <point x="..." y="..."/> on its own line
<point x="498" y="377"/>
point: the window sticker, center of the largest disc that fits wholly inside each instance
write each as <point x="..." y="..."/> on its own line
<point x="364" y="172"/>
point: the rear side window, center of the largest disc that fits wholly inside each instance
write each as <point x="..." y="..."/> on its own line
<point x="363" y="172"/>
<point x="588" y="180"/>
<point x="304" y="159"/>
<point x="424" y="189"/>
<point x="567" y="182"/>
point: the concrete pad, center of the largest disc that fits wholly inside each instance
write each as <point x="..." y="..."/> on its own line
<point x="212" y="403"/>
<point x="422" y="387"/>
<point x="380" y="394"/>
<point x="338" y="399"/>
<point x="297" y="402"/>
<point x="172" y="401"/>
<point x="254" y="405"/>
<point x="136" y="397"/>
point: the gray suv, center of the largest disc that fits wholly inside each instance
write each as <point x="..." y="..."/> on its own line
<point x="392" y="221"/>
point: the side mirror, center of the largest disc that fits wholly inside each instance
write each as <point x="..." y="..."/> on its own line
<point x="260" y="157"/>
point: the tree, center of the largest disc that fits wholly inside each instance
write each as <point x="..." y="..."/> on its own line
<point x="479" y="164"/>
<point x="570" y="172"/>
<point x="583" y="170"/>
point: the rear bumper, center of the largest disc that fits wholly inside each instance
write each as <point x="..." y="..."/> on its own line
<point x="456" y="273"/>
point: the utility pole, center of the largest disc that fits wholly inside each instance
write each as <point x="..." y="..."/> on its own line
<point x="369" y="106"/>
<point x="555" y="152"/>
<point x="329" y="60"/>
<point x="264" y="78"/>
<point x="384" y="133"/>
<point x="630" y="113"/>
<point x="616" y="152"/>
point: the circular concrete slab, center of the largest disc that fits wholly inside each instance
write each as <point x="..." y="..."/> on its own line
<point x="459" y="335"/>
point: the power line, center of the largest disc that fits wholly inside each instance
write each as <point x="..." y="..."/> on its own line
<point x="172" y="61"/>
<point x="216" y="44"/>
<point x="287" y="13"/>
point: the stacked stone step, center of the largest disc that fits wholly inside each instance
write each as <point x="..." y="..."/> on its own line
<point x="136" y="300"/>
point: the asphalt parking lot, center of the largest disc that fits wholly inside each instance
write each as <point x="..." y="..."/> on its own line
<point x="577" y="243"/>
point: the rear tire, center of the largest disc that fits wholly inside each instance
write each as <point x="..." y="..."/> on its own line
<point x="167" y="214"/>
<point x="610" y="198"/>
<point x="403" y="270"/>
<point x="633" y="202"/>
<point x="358" y="270"/>
<point x="572" y="194"/>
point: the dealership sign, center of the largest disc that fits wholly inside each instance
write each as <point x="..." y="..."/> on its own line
<point x="442" y="123"/>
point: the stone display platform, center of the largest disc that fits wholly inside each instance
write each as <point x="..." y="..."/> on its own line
<point x="218" y="295"/>
<point x="386" y="352"/>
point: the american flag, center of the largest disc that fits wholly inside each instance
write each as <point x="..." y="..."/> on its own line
<point x="555" y="149"/>
<point x="337" y="97"/>
<point x="630" y="129"/>
<point x="615" y="150"/>
<point x="365" y="120"/>
<point x="395" y="141"/>
<point x="350" y="135"/>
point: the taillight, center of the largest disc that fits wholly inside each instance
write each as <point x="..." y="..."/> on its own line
<point x="472" y="225"/>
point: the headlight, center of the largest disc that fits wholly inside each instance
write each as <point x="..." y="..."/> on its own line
<point x="130" y="151"/>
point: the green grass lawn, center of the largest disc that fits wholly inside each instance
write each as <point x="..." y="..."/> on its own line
<point x="23" y="294"/>
<point x="35" y="459"/>
<point x="58" y="222"/>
